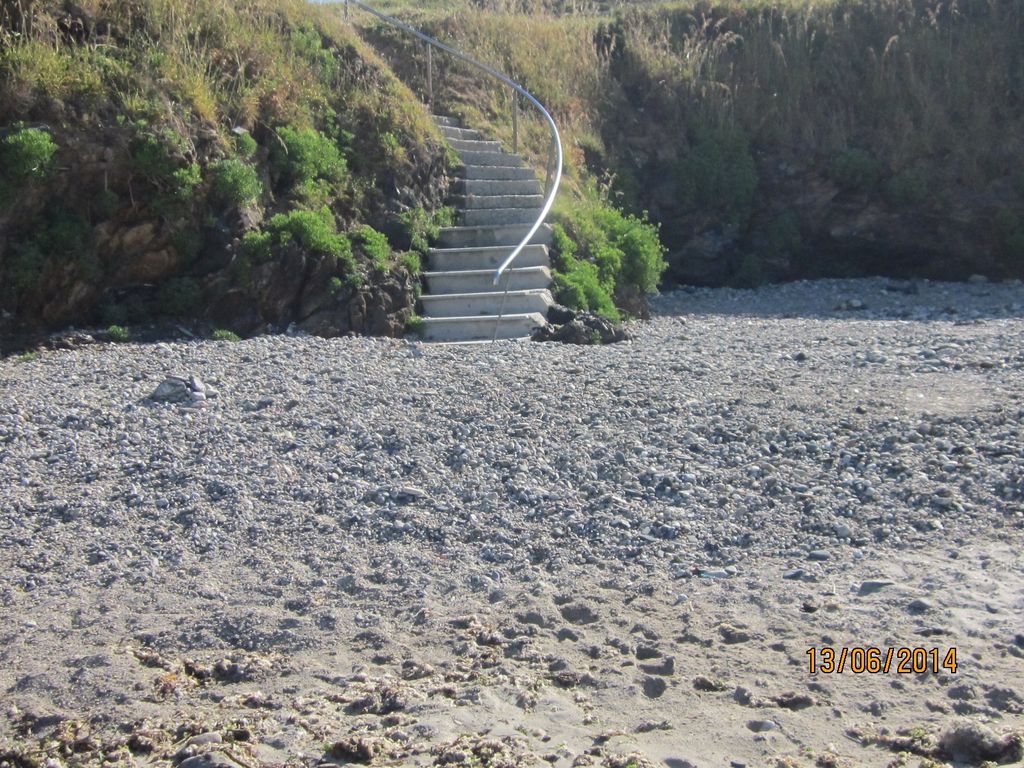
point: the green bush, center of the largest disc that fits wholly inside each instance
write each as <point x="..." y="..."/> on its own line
<point x="718" y="173"/>
<point x="749" y="273"/>
<point x="118" y="334"/>
<point x="579" y="287"/>
<point x="235" y="182"/>
<point x="245" y="145"/>
<point x="187" y="242"/>
<point x="423" y="227"/>
<point x="308" y="154"/>
<point x="1009" y="229"/>
<point x="180" y="297"/>
<point x="855" y="170"/>
<point x="906" y="189"/>
<point x="373" y="244"/>
<point x="26" y="154"/>
<point x="783" y="235"/>
<point x="184" y="182"/>
<point x="156" y="153"/>
<point x="223" y="335"/>
<point x="600" y="250"/>
<point x="64" y="234"/>
<point x="414" y="324"/>
<point x="411" y="262"/>
<point x="258" y="246"/>
<point x="25" y="265"/>
<point x="314" y="231"/>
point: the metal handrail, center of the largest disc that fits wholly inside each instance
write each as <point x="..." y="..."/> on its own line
<point x="556" y="139"/>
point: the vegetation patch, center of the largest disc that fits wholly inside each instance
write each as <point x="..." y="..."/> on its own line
<point x="235" y="182"/>
<point x="599" y="251"/>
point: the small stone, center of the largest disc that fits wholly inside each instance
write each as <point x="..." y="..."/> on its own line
<point x="709" y="684"/>
<point x="920" y="605"/>
<point x="209" y="760"/>
<point x="873" y="585"/>
<point x="715" y="573"/>
<point x="742" y="695"/>
<point x="666" y="668"/>
<point x="794" y="575"/>
<point x="202" y="739"/>
<point x="760" y="726"/>
<point x="819" y="555"/>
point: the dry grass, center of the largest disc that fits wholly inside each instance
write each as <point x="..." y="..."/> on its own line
<point x="910" y="80"/>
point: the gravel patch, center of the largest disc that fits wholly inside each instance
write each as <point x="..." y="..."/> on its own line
<point x="339" y="486"/>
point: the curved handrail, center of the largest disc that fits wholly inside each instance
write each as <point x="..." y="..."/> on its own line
<point x="555" y="136"/>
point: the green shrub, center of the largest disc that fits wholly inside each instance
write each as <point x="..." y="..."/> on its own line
<point x="26" y="154"/>
<point x="245" y="145"/>
<point x="423" y="227"/>
<point x="118" y="334"/>
<point x="235" y="182"/>
<point x="258" y="246"/>
<point x="580" y="287"/>
<point x="373" y="244"/>
<point x="783" y="235"/>
<point x="65" y="233"/>
<point x="188" y="243"/>
<point x="223" y="335"/>
<point x="1009" y="229"/>
<point x="308" y="154"/>
<point x="718" y="173"/>
<point x="107" y="201"/>
<point x="335" y="285"/>
<point x="25" y="265"/>
<point x="906" y="189"/>
<point x="156" y="153"/>
<point x="414" y="324"/>
<point x="411" y="262"/>
<point x="855" y="170"/>
<point x="184" y="182"/>
<point x="314" y="231"/>
<point x="750" y="272"/>
<point x="600" y="250"/>
<point x="179" y="297"/>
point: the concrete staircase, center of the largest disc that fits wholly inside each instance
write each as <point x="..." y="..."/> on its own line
<point x="498" y="200"/>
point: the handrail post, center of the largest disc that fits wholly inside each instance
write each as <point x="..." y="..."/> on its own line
<point x="430" y="76"/>
<point x="515" y="122"/>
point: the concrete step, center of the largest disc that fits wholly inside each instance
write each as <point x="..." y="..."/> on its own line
<point x="478" y="217"/>
<point x="487" y="236"/>
<point x="487" y="303"/>
<point x="486" y="259"/>
<point x="481" y="328"/>
<point x="482" y="280"/>
<point x="499" y="201"/>
<point x="474" y="145"/>
<point x="450" y="122"/>
<point x="496" y="173"/>
<point x="468" y="134"/>
<point x="467" y="187"/>
<point x="489" y="158"/>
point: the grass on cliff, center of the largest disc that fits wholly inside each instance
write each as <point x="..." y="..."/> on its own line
<point x="185" y="114"/>
<point x="912" y="104"/>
